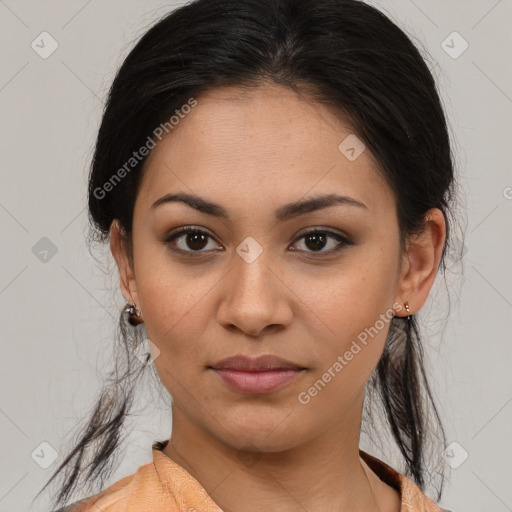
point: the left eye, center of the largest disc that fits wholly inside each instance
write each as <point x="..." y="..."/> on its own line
<point x="317" y="239"/>
<point x="196" y="240"/>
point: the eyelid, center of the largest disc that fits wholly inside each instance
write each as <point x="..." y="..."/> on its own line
<point x="343" y="240"/>
<point x="185" y="230"/>
<point x="319" y="229"/>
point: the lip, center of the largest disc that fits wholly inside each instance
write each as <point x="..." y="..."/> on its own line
<point x="255" y="364"/>
<point x="262" y="374"/>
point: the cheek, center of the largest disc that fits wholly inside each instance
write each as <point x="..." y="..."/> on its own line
<point x="177" y="325"/>
<point x="352" y="298"/>
<point x="354" y="309"/>
<point x="173" y="301"/>
<point x="178" y="321"/>
<point x="346" y="357"/>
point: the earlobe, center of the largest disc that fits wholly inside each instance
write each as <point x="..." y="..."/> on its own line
<point x="421" y="262"/>
<point x="124" y="263"/>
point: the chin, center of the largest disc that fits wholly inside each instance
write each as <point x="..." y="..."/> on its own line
<point x="256" y="431"/>
<point x="259" y="443"/>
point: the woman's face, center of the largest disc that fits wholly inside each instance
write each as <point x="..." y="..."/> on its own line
<point x="254" y="284"/>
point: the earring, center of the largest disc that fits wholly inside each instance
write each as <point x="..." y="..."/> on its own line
<point x="133" y="314"/>
<point x="406" y="304"/>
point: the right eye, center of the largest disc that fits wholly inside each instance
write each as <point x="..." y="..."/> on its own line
<point x="189" y="240"/>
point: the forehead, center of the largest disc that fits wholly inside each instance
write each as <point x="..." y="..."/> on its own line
<point x="266" y="140"/>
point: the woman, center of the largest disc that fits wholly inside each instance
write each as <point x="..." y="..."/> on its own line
<point x="275" y="180"/>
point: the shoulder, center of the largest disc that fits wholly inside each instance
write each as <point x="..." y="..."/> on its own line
<point x="119" y="494"/>
<point x="73" y="507"/>
<point x="412" y="497"/>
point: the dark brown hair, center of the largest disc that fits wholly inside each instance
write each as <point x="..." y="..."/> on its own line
<point x="343" y="52"/>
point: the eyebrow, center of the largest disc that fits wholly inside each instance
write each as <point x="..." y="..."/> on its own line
<point x="283" y="213"/>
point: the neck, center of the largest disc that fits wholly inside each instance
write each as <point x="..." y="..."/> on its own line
<point x="324" y="474"/>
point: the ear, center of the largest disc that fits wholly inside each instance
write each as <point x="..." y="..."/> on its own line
<point x="121" y="255"/>
<point x="421" y="261"/>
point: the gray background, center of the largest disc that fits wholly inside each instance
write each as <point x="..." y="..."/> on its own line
<point x="58" y="311"/>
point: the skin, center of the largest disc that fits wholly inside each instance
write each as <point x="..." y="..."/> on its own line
<point x="251" y="151"/>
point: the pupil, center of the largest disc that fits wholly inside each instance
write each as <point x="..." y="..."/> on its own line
<point x="318" y="239"/>
<point x="195" y="236"/>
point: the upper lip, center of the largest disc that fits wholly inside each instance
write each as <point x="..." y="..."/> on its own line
<point x="255" y="364"/>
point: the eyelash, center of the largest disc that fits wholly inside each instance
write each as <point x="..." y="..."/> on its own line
<point x="186" y="230"/>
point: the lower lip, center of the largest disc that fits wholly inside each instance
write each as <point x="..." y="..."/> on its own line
<point x="257" y="382"/>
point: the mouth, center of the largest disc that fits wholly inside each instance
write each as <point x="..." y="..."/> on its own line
<point x="263" y="374"/>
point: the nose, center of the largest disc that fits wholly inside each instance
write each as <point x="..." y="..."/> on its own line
<point x="255" y="298"/>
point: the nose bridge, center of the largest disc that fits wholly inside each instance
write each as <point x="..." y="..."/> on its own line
<point x="253" y="297"/>
<point x="251" y="268"/>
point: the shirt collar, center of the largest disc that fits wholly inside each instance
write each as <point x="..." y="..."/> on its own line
<point x="191" y="495"/>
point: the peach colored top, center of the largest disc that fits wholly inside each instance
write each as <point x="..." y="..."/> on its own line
<point x="165" y="486"/>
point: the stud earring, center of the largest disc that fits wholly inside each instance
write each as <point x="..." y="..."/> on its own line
<point x="406" y="304"/>
<point x="133" y="314"/>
